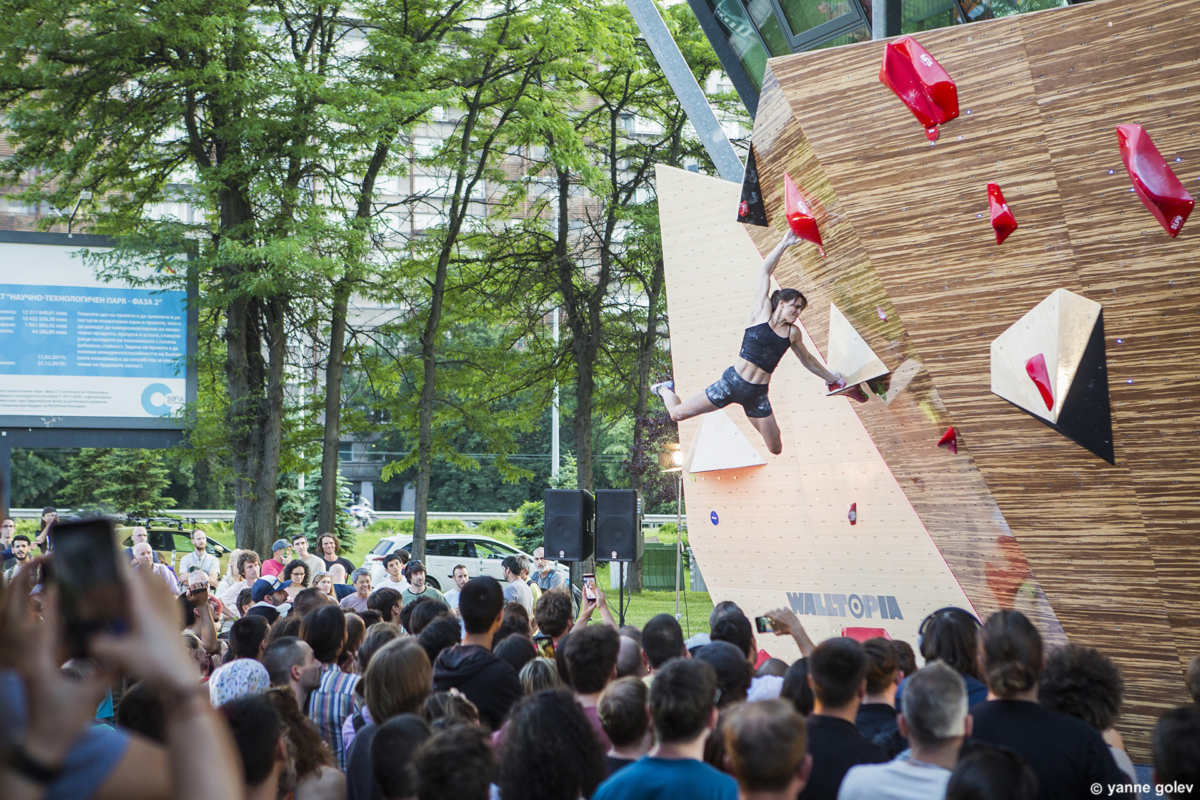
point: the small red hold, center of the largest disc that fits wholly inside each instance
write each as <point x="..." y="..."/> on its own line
<point x="1155" y="182"/>
<point x="1003" y="221"/>
<point x="799" y="215"/>
<point x="853" y="515"/>
<point x="949" y="440"/>
<point x="921" y="84"/>
<point x="856" y="394"/>
<point x="1036" y="369"/>
<point x="743" y="208"/>
<point x="841" y="388"/>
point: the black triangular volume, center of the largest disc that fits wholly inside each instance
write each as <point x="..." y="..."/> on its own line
<point x="752" y="210"/>
<point x="1086" y="417"/>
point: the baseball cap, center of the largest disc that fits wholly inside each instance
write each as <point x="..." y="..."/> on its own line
<point x="280" y="544"/>
<point x="265" y="586"/>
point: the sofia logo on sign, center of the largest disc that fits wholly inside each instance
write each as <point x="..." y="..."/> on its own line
<point x="871" y="606"/>
<point x="158" y="401"/>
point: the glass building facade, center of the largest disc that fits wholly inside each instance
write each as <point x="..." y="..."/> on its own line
<point x="745" y="33"/>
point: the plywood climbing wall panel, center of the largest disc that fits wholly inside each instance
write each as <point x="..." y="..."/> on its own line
<point x="779" y="534"/>
<point x="1114" y="547"/>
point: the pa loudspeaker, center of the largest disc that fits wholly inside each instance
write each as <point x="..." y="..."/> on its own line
<point x="570" y="524"/>
<point x="618" y="523"/>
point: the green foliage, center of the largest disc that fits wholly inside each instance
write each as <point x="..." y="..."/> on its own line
<point x="498" y="529"/>
<point x="292" y="504"/>
<point x="404" y="527"/>
<point x="298" y="510"/>
<point x="120" y="482"/>
<point x="36" y="476"/>
<point x="568" y="474"/>
<point x="529" y="525"/>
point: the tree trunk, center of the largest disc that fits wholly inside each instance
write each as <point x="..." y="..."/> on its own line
<point x="646" y="349"/>
<point x="327" y="507"/>
<point x="254" y="367"/>
<point x="428" y="389"/>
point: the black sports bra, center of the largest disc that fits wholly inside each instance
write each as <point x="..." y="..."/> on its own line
<point x="762" y="347"/>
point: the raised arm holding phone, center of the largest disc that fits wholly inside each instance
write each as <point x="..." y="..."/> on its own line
<point x="128" y="623"/>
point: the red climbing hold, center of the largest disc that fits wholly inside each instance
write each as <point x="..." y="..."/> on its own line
<point x="921" y="83"/>
<point x="1003" y="221"/>
<point x="1036" y="369"/>
<point x="799" y="215"/>
<point x="949" y="440"/>
<point x="1154" y="181"/>
<point x="863" y="634"/>
<point x="853" y="515"/>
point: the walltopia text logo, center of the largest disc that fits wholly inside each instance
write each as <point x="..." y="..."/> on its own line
<point x="837" y="605"/>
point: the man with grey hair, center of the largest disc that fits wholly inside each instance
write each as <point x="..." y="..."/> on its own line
<point x="139" y="534"/>
<point x="935" y="721"/>
<point x="545" y="572"/>
<point x="357" y="602"/>
<point x="143" y="559"/>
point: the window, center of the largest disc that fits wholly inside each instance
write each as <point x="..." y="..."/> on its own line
<point x="494" y="550"/>
<point x="453" y="548"/>
<point x="383" y="548"/>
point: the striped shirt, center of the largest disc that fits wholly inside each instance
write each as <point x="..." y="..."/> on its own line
<point x="330" y="704"/>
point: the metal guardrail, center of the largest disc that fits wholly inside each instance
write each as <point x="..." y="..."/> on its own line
<point x="226" y="515"/>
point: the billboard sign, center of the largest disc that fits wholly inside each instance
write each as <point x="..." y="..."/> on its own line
<point x="78" y="352"/>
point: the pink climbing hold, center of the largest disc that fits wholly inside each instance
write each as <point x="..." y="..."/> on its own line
<point x="1003" y="221"/>
<point x="799" y="214"/>
<point x="1036" y="369"/>
<point x="921" y="84"/>
<point x="1155" y="182"/>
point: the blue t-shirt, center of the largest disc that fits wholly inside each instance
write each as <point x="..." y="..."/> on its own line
<point x="91" y="759"/>
<point x="668" y="779"/>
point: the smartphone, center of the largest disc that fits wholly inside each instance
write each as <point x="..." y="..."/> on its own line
<point x="764" y="624"/>
<point x="91" y="597"/>
<point x="589" y="586"/>
<point x="544" y="645"/>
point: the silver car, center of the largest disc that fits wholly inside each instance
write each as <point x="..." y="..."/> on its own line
<point x="481" y="555"/>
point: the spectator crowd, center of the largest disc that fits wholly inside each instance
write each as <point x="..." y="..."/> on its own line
<point x="294" y="677"/>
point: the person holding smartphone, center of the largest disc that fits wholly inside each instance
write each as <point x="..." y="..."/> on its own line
<point x="593" y="600"/>
<point x="49" y="516"/>
<point x="62" y="754"/>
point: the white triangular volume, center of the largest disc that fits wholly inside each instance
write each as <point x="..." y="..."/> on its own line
<point x="1076" y="319"/>
<point x="1058" y="328"/>
<point x="720" y="445"/>
<point x="849" y="355"/>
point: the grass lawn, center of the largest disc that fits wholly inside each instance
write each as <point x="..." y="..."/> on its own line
<point x="639" y="608"/>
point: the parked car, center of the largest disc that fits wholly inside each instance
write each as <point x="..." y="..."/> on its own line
<point x="481" y="555"/>
<point x="171" y="539"/>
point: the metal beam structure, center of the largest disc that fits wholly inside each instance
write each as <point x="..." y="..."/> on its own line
<point x="690" y="95"/>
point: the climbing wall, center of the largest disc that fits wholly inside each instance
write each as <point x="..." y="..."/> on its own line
<point x="778" y="533"/>
<point x="1023" y="516"/>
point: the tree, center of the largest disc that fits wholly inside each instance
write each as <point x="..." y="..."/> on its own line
<point x="581" y="259"/>
<point x="262" y="117"/>
<point x="501" y="67"/>
<point x="402" y="75"/>
<point x="107" y="481"/>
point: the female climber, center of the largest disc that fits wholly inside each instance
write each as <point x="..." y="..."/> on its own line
<point x="771" y="331"/>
